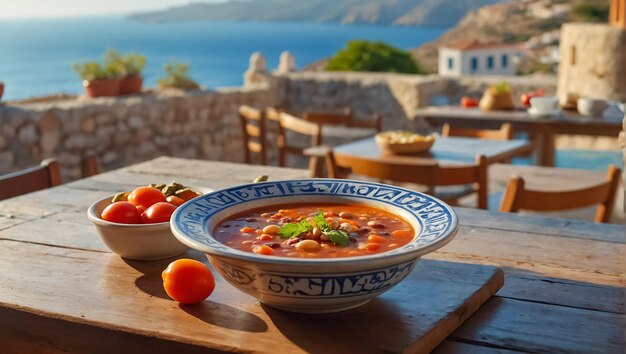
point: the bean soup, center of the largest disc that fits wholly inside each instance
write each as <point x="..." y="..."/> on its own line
<point x="315" y="231"/>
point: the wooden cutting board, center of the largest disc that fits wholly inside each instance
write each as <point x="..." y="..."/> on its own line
<point x="109" y="305"/>
<point x="414" y="317"/>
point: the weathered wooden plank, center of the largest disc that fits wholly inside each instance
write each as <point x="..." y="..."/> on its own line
<point x="541" y="225"/>
<point x="125" y="299"/>
<point x="563" y="292"/>
<point x="576" y="259"/>
<point x="542" y="328"/>
<point x="452" y="347"/>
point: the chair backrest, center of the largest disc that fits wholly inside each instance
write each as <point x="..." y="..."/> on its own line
<point x="517" y="197"/>
<point x="287" y="123"/>
<point x="252" y="123"/>
<point x="339" y="165"/>
<point x="345" y="118"/>
<point x="46" y="175"/>
<point x="273" y="114"/>
<point x="504" y="133"/>
<point x="89" y="166"/>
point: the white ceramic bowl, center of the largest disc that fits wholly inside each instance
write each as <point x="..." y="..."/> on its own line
<point x="544" y="105"/>
<point x="314" y="285"/>
<point x="137" y="242"/>
<point x="591" y="106"/>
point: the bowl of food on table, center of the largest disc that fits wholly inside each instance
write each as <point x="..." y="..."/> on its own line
<point x="135" y="224"/>
<point x="314" y="245"/>
<point x="404" y="142"/>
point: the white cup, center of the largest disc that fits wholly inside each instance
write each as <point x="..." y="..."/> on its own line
<point x="588" y="106"/>
<point x="542" y="105"/>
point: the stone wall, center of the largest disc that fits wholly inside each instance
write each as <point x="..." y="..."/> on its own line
<point x="122" y="131"/>
<point x="593" y="61"/>
<point x="204" y="124"/>
<point x="395" y="96"/>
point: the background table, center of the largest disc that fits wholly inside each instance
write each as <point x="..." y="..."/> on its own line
<point x="564" y="286"/>
<point x="542" y="130"/>
<point x="445" y="151"/>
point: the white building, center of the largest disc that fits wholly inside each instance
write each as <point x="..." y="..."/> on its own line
<point x="478" y="59"/>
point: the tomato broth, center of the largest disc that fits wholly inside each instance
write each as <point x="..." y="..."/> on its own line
<point x="315" y="231"/>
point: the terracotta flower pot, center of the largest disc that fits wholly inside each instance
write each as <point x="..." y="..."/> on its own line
<point x="1" y="89"/>
<point x="102" y="88"/>
<point x="130" y="85"/>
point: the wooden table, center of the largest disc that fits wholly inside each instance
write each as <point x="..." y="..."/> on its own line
<point x="542" y="130"/>
<point x="62" y="291"/>
<point x="445" y="151"/>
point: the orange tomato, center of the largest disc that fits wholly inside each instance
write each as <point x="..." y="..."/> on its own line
<point x="172" y="199"/>
<point x="158" y="212"/>
<point x="121" y="212"/>
<point x="188" y="281"/>
<point x="146" y="196"/>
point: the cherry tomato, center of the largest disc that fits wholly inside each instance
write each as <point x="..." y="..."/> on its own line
<point x="188" y="281"/>
<point x="468" y="102"/>
<point x="121" y="212"/>
<point x="141" y="209"/>
<point x="145" y="196"/>
<point x="158" y="212"/>
<point x="175" y="200"/>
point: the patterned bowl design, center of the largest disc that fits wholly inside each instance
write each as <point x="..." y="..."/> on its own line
<point x="310" y="284"/>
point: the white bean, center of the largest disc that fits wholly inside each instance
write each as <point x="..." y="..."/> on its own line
<point x="308" y="245"/>
<point x="346" y="215"/>
<point x="334" y="224"/>
<point x="316" y="232"/>
<point x="271" y="229"/>
<point x="345" y="227"/>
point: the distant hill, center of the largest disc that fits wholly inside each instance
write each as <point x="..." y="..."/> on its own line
<point x="444" y="13"/>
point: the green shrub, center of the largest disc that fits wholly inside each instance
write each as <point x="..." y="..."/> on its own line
<point x="93" y="70"/>
<point x="131" y="64"/>
<point x="373" y="56"/>
<point x="177" y="76"/>
<point x="590" y="12"/>
<point x="134" y="63"/>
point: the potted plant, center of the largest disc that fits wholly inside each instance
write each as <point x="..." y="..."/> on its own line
<point x="132" y="64"/>
<point x="99" y="80"/>
<point x="177" y="77"/>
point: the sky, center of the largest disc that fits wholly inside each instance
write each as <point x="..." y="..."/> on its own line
<point x="73" y="8"/>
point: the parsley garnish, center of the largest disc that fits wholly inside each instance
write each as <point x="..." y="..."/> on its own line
<point x="337" y="237"/>
<point x="294" y="229"/>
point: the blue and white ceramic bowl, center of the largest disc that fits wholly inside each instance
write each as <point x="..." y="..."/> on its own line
<point x="314" y="285"/>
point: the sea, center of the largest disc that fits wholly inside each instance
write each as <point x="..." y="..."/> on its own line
<point x="36" y="54"/>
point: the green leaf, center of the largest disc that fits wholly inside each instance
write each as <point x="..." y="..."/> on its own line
<point x="294" y="229"/>
<point x="320" y="222"/>
<point x="338" y="237"/>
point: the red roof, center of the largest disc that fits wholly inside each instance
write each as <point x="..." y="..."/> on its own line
<point x="474" y="45"/>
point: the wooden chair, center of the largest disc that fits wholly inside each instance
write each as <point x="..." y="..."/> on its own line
<point x="517" y="197"/>
<point x="89" y="166"/>
<point x="345" y="118"/>
<point x="253" y="131"/>
<point x="290" y="123"/>
<point x="431" y="175"/>
<point x="504" y="133"/>
<point x="46" y="175"/>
